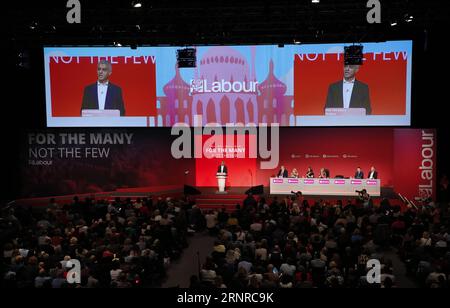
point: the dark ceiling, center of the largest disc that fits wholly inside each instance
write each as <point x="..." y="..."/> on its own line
<point x="30" y="26"/>
<point x="219" y="22"/>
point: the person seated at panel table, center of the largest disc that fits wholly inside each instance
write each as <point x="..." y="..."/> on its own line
<point x="324" y="173"/>
<point x="283" y="173"/>
<point x="309" y="173"/>
<point x="294" y="173"/>
<point x="359" y="174"/>
<point x="373" y="174"/>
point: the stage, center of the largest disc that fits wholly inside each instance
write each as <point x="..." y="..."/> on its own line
<point x="208" y="199"/>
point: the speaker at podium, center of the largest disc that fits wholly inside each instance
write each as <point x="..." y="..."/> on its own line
<point x="255" y="190"/>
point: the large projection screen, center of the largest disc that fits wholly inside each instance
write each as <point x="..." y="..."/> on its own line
<point x="294" y="85"/>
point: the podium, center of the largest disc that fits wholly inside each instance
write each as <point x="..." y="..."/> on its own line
<point x="100" y="113"/>
<point x="221" y="178"/>
<point x="345" y="111"/>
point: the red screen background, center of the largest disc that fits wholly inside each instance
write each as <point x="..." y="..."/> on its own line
<point x="386" y="81"/>
<point x="137" y="81"/>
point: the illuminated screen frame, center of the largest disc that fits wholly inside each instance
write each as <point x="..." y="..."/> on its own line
<point x="262" y="64"/>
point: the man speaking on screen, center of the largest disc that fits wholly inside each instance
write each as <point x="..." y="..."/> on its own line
<point x="349" y="92"/>
<point x="103" y="95"/>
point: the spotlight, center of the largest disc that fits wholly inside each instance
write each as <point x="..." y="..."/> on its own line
<point x="315" y="1"/>
<point x="33" y="25"/>
<point x="393" y="24"/>
<point x="137" y="4"/>
<point x="23" y="59"/>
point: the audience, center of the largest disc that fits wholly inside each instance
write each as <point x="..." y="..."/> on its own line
<point x="278" y="243"/>
<point x="119" y="244"/>
<point x="290" y="244"/>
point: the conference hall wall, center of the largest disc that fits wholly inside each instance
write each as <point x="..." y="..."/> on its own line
<point x="70" y="161"/>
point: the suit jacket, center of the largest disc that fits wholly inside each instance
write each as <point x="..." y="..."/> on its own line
<point x="225" y="169"/>
<point x="359" y="175"/>
<point x="360" y="96"/>
<point x="285" y="173"/>
<point x="375" y="175"/>
<point x="113" y="99"/>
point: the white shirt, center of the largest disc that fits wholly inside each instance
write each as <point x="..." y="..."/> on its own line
<point x="102" y="89"/>
<point x="347" y="91"/>
<point x="221" y="168"/>
<point x="371" y="174"/>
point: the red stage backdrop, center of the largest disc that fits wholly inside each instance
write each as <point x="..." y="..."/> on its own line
<point x="404" y="158"/>
<point x="134" y="75"/>
<point x="75" y="161"/>
<point x="337" y="149"/>
<point x="241" y="171"/>
<point x="57" y="162"/>
<point x="384" y="74"/>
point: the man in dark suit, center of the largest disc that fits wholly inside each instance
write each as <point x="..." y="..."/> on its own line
<point x="283" y="173"/>
<point x="373" y="174"/>
<point x="359" y="174"/>
<point x="103" y="94"/>
<point x="222" y="168"/>
<point x="349" y="92"/>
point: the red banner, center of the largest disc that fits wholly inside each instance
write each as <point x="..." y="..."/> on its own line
<point x="415" y="162"/>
